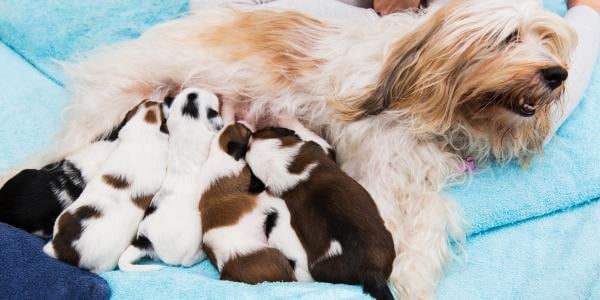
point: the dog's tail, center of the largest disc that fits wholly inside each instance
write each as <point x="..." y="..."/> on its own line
<point x="133" y="253"/>
<point x="375" y="284"/>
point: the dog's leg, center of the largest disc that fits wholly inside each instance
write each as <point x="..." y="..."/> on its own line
<point x="423" y="234"/>
<point x="194" y="259"/>
<point x="264" y="265"/>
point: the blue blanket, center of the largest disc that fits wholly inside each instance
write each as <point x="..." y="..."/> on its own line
<point x="27" y="273"/>
<point x="564" y="177"/>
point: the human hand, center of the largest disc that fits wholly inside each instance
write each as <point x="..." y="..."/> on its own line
<point x="594" y="4"/>
<point x="386" y="7"/>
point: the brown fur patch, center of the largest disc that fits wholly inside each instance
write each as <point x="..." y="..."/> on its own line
<point x="70" y="227"/>
<point x="142" y="201"/>
<point x="226" y="201"/>
<point x="285" y="136"/>
<point x="237" y="133"/>
<point x="151" y="117"/>
<point x="116" y="181"/>
<point x="307" y="155"/>
<point x="131" y="113"/>
<point x="264" y="265"/>
<point x="283" y="41"/>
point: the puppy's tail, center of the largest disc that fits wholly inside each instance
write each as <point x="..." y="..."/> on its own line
<point x="131" y="255"/>
<point x="375" y="284"/>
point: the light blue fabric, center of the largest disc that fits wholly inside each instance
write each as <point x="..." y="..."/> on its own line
<point x="45" y="31"/>
<point x="31" y="106"/>
<point x="567" y="175"/>
<point x="555" y="257"/>
<point x="201" y="282"/>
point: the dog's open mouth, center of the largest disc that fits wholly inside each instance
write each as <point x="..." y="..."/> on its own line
<point x="525" y="107"/>
<point x="526" y="110"/>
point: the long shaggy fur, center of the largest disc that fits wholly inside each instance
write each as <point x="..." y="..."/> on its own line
<point x="403" y="100"/>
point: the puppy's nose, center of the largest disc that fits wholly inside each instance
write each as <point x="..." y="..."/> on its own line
<point x="554" y="76"/>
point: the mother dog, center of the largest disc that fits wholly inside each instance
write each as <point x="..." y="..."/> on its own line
<point x="404" y="100"/>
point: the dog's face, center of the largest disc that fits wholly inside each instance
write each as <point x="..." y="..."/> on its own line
<point x="196" y="105"/>
<point x="493" y="67"/>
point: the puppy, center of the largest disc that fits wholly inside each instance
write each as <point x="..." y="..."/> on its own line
<point x="171" y="229"/>
<point x="32" y="199"/>
<point x="343" y="237"/>
<point x="97" y="228"/>
<point x="233" y="220"/>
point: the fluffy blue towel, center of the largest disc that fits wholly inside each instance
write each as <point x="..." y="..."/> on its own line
<point x="31" y="108"/>
<point x="555" y="257"/>
<point x="28" y="273"/>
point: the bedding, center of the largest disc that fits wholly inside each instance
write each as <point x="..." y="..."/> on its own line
<point x="503" y="203"/>
<point x="27" y="273"/>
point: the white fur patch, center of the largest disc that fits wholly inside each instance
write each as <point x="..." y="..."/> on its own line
<point x="269" y="161"/>
<point x="175" y="228"/>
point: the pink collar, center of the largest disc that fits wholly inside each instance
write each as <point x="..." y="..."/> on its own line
<point x="469" y="164"/>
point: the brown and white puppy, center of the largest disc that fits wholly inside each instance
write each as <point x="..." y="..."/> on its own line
<point x="343" y="237"/>
<point x="233" y="219"/>
<point x="93" y="231"/>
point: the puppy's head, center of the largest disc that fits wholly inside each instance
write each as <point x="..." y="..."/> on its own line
<point x="233" y="140"/>
<point x="279" y="158"/>
<point x="146" y="116"/>
<point x="194" y="105"/>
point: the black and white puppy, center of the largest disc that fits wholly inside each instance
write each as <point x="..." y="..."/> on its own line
<point x="333" y="230"/>
<point x="171" y="229"/>
<point x="94" y="231"/>
<point x="33" y="199"/>
<point x="233" y="218"/>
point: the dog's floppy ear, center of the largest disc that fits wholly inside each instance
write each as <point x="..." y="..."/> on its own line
<point x="236" y="149"/>
<point x="256" y="185"/>
<point x="168" y="101"/>
<point x="331" y="153"/>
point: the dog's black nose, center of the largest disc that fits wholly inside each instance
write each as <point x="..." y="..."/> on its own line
<point x="554" y="76"/>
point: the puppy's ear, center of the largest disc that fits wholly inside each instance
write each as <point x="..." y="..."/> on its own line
<point x="168" y="101"/>
<point x="282" y="132"/>
<point x="236" y="149"/>
<point x="256" y="185"/>
<point x="332" y="155"/>
<point x="163" y="122"/>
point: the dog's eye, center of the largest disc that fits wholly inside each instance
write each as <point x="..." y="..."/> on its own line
<point x="512" y="38"/>
<point x="212" y="113"/>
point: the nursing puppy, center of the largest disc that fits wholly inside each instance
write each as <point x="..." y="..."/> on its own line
<point x="233" y="220"/>
<point x="334" y="217"/>
<point x="96" y="229"/>
<point x="33" y="199"/>
<point x="171" y="229"/>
